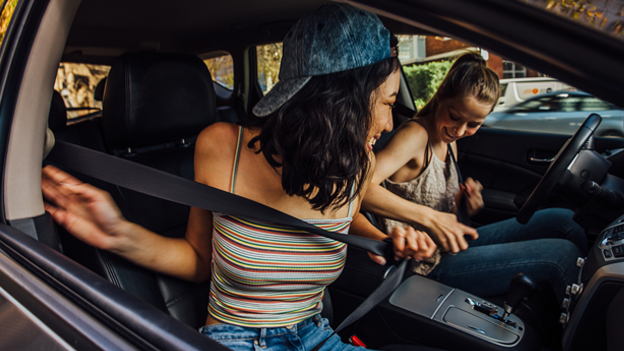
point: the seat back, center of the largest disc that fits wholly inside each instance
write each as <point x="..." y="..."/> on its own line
<point x="154" y="107"/>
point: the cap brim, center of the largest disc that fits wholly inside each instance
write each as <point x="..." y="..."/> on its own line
<point x="281" y="92"/>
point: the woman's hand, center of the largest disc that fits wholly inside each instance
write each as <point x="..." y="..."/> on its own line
<point x="450" y="234"/>
<point x="471" y="191"/>
<point x="85" y="211"/>
<point x="91" y="215"/>
<point x="408" y="242"/>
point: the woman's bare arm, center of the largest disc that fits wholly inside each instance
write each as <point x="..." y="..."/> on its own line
<point x="405" y="153"/>
<point x="91" y="215"/>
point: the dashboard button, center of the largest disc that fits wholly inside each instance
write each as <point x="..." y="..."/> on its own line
<point x="618" y="251"/>
<point x="607" y="253"/>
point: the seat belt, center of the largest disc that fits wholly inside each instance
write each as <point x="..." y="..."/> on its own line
<point x="166" y="186"/>
<point x="462" y="209"/>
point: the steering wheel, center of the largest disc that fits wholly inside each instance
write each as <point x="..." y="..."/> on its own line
<point x="562" y="161"/>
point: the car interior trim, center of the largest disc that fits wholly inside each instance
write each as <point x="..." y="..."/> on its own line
<point x="22" y="197"/>
<point x="607" y="273"/>
<point x="48" y="309"/>
<point x="33" y="319"/>
<point x="122" y="312"/>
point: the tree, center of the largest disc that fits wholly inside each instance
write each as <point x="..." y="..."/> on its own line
<point x="424" y="79"/>
<point x="5" y="17"/>
<point x="269" y="59"/>
<point x="607" y="15"/>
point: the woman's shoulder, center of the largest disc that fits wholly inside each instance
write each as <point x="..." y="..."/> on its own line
<point x="414" y="125"/>
<point x="413" y="133"/>
<point x="217" y="134"/>
<point x="215" y="150"/>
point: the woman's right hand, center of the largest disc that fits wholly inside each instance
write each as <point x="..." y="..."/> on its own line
<point x="410" y="242"/>
<point x="448" y="232"/>
<point x="88" y="213"/>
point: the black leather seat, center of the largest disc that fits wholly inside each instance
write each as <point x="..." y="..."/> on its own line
<point x="154" y="107"/>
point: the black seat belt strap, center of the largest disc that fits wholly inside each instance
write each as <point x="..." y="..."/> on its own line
<point x="150" y="181"/>
<point x="392" y="281"/>
<point x="154" y="182"/>
<point x="462" y="210"/>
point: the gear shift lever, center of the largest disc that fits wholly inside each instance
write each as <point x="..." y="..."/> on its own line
<point x="521" y="287"/>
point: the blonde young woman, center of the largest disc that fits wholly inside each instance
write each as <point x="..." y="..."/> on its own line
<point x="417" y="169"/>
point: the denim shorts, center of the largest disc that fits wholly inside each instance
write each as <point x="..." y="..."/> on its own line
<point x="302" y="336"/>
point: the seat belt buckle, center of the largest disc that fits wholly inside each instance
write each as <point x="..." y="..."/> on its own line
<point x="355" y="341"/>
<point x="389" y="254"/>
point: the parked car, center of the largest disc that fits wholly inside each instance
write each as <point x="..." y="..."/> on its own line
<point x="516" y="90"/>
<point x="56" y="293"/>
<point x="560" y="112"/>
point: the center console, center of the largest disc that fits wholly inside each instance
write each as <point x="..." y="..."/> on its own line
<point x="458" y="309"/>
<point x="592" y="314"/>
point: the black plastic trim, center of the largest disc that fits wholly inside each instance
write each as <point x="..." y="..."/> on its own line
<point x="48" y="311"/>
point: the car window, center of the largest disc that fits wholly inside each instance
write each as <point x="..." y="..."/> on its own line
<point x="513" y="70"/>
<point x="268" y="63"/>
<point x="222" y="70"/>
<point x="5" y="18"/>
<point x="79" y="84"/>
<point x="527" y="96"/>
<point x="503" y="86"/>
<point x="594" y="104"/>
<point x="569" y="104"/>
<point x="534" y="105"/>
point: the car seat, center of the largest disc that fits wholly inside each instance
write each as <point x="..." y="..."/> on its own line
<point x="154" y="107"/>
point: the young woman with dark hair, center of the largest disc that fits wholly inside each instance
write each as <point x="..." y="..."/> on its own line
<point x="331" y="109"/>
<point x="307" y="153"/>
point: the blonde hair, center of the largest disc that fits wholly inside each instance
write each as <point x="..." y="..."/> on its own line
<point x="469" y="75"/>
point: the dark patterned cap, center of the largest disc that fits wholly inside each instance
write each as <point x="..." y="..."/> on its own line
<point x="334" y="38"/>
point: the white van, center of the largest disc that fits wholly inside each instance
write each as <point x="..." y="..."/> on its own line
<point x="515" y="90"/>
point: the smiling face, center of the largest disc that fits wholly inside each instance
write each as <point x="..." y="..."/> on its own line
<point x="459" y="117"/>
<point x="384" y="98"/>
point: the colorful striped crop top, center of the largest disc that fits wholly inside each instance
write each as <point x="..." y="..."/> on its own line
<point x="267" y="275"/>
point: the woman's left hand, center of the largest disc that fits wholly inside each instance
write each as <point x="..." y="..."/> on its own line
<point x="408" y="242"/>
<point x="471" y="191"/>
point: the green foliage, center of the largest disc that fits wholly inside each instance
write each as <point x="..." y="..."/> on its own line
<point x="424" y="79"/>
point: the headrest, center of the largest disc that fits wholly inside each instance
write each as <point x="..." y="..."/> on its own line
<point x="57" y="119"/>
<point x="154" y="98"/>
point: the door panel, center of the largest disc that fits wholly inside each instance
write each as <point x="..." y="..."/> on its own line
<point x="502" y="161"/>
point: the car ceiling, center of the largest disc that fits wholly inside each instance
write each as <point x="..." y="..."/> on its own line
<point x="581" y="57"/>
<point x="103" y="30"/>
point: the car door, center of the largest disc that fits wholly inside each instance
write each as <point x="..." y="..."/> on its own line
<point x="510" y="163"/>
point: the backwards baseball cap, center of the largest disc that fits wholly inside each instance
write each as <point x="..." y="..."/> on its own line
<point x="334" y="38"/>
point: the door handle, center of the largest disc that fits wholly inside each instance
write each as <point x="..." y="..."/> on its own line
<point x="541" y="160"/>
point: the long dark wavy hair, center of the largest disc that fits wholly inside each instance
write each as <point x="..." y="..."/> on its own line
<point x="320" y="135"/>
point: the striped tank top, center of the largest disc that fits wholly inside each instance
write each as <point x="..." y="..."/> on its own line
<point x="266" y="275"/>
